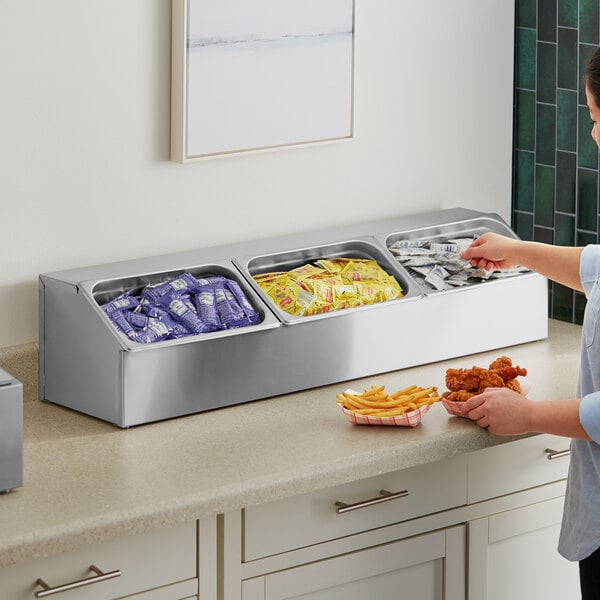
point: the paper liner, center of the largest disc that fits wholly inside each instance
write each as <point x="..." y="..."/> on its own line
<point x="408" y="419"/>
<point x="454" y="407"/>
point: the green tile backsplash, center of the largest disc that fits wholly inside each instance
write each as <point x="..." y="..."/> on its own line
<point x="588" y="21"/>
<point x="555" y="166"/>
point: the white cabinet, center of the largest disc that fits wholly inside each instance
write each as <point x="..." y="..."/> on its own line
<point x="428" y="567"/>
<point x="344" y="543"/>
<point x="482" y="525"/>
<point x="513" y="555"/>
<point x="158" y="565"/>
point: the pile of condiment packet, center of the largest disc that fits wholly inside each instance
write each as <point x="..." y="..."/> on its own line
<point x="437" y="265"/>
<point x="180" y="307"/>
<point x="329" y="285"/>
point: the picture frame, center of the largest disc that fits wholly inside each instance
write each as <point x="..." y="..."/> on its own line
<point x="258" y="75"/>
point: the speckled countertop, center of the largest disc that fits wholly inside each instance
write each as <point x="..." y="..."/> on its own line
<point x="87" y="481"/>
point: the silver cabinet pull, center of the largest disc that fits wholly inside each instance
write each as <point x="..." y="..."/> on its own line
<point x="342" y="507"/>
<point x="99" y="576"/>
<point x="552" y="454"/>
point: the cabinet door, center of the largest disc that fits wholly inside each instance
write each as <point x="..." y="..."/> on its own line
<point x="513" y="555"/>
<point x="428" y="567"/>
<point x="148" y="561"/>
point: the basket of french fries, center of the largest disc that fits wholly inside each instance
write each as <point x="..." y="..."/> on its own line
<point x="404" y="408"/>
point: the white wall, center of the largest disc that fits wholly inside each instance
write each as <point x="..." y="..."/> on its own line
<point x="85" y="176"/>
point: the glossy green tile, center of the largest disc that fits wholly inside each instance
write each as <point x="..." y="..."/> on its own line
<point x="527" y="13"/>
<point x="526" y="58"/>
<point x="587" y="199"/>
<point x="567" y="13"/>
<point x="585" y="53"/>
<point x="567" y="59"/>
<point x="523" y="225"/>
<point x="524" y="180"/>
<point x="544" y="196"/>
<point x="580" y="302"/>
<point x="544" y="235"/>
<point x="525" y="120"/>
<point x="546" y="20"/>
<point x="587" y="151"/>
<point x="588" y="21"/>
<point x="552" y="130"/>
<point x="546" y="72"/>
<point x="562" y="302"/>
<point x="564" y="230"/>
<point x="545" y="134"/>
<point x="566" y="182"/>
<point x="566" y="120"/>
<point x="584" y="238"/>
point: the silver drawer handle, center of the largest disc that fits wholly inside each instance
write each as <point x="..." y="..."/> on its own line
<point x="552" y="454"/>
<point x="100" y="576"/>
<point x="342" y="507"/>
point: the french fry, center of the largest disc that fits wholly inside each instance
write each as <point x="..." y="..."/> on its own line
<point x="374" y="390"/>
<point x="423" y="393"/>
<point x="376" y="402"/>
<point x="404" y="391"/>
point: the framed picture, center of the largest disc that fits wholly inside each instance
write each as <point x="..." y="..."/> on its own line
<point x="256" y="75"/>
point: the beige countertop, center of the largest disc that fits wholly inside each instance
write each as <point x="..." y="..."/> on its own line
<point x="87" y="481"/>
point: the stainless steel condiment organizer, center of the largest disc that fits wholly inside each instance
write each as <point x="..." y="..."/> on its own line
<point x="85" y="364"/>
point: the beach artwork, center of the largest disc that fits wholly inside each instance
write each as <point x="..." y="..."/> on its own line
<point x="267" y="73"/>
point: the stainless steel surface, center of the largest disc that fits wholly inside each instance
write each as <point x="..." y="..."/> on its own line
<point x="11" y="432"/>
<point x="442" y="231"/>
<point x="462" y="228"/>
<point x="97" y="578"/>
<point x="384" y="496"/>
<point x="87" y="365"/>
<point x="552" y="454"/>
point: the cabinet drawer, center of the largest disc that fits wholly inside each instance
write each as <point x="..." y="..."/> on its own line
<point x="312" y="518"/>
<point x="515" y="466"/>
<point x="146" y="561"/>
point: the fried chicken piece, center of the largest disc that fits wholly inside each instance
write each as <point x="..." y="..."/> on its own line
<point x="514" y="385"/>
<point x="464" y="383"/>
<point x="492" y="380"/>
<point x="465" y="379"/>
<point x="508" y="373"/>
<point x="459" y="396"/>
<point x="501" y="361"/>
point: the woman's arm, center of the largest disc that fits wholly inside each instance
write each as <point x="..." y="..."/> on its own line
<point x="559" y="263"/>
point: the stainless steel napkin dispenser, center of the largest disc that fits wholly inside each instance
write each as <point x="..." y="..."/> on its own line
<point x="11" y="432"/>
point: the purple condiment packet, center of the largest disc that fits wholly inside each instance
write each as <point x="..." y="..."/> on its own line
<point x="243" y="301"/>
<point x="156" y="331"/>
<point x="122" y="324"/>
<point x="179" y="285"/>
<point x="206" y="306"/>
<point x="123" y="302"/>
<point x="183" y="313"/>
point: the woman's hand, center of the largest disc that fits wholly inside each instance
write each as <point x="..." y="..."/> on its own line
<point x="501" y="411"/>
<point x="491" y="252"/>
